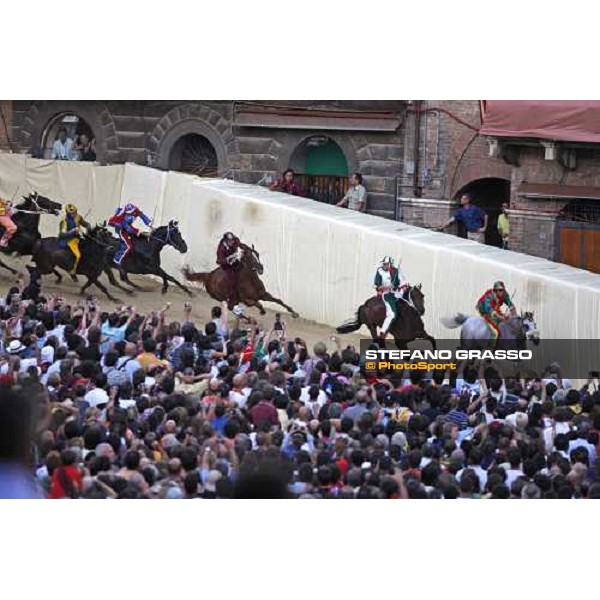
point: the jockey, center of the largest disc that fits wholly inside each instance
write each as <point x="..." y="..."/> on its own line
<point x="6" y="221"/>
<point x="69" y="232"/>
<point x="390" y="284"/>
<point x="228" y="258"/>
<point x="489" y="306"/>
<point x="123" y="222"/>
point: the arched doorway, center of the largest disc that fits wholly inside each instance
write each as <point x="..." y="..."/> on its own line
<point x="322" y="169"/>
<point x="193" y="153"/>
<point x="488" y="193"/>
<point x="75" y="125"/>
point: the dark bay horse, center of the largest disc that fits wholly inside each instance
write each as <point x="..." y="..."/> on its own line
<point x="251" y="289"/>
<point x="144" y="258"/>
<point x="48" y="254"/>
<point x="27" y="219"/>
<point x="406" y="327"/>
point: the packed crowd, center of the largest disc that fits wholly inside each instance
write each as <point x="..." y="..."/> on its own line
<point x="98" y="403"/>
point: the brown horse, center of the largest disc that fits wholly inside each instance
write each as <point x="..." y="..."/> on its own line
<point x="251" y="290"/>
<point x="406" y="327"/>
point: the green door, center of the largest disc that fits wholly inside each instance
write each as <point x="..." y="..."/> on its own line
<point x="326" y="159"/>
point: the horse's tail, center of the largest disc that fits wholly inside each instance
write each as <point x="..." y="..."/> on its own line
<point x="350" y="325"/>
<point x="196" y="277"/>
<point x="453" y="322"/>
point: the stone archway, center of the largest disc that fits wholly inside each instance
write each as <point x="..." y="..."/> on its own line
<point x="191" y="119"/>
<point x="322" y="167"/>
<point x="296" y="140"/>
<point x="43" y="113"/>
<point x="73" y="123"/>
<point x="489" y="193"/>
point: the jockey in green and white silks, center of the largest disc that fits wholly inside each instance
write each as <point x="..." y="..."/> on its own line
<point x="390" y="283"/>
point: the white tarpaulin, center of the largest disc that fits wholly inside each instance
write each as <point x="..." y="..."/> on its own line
<point x="318" y="258"/>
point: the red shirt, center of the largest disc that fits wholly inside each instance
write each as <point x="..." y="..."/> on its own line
<point x="288" y="188"/>
<point x="65" y="477"/>
<point x="264" y="411"/>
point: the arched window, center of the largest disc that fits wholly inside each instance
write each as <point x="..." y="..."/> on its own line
<point x="193" y="153"/>
<point x="489" y="193"/>
<point x="77" y="130"/>
<point x="321" y="169"/>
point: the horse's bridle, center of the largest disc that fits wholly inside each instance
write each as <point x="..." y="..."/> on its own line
<point x="39" y="209"/>
<point x="409" y="301"/>
<point x="167" y="240"/>
<point x="258" y="265"/>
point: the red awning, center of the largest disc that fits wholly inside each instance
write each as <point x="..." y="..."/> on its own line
<point x="560" y="120"/>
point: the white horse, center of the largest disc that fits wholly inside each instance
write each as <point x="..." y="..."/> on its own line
<point x="475" y="332"/>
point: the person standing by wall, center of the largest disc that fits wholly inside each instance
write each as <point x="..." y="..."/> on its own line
<point x="472" y="217"/>
<point x="62" y="149"/>
<point x="503" y="225"/>
<point x="356" y="196"/>
<point x="85" y="149"/>
<point x="286" y="184"/>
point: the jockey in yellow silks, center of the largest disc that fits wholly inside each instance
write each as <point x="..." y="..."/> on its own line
<point x="70" y="231"/>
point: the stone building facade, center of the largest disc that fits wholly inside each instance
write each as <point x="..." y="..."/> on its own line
<point x="247" y="141"/>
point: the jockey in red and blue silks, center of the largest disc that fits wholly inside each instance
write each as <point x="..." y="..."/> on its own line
<point x="123" y="222"/>
<point x="489" y="306"/>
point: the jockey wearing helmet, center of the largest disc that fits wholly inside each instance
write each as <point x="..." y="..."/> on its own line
<point x="6" y="221"/>
<point x="228" y="258"/>
<point x="489" y="306"/>
<point x="123" y="222"/>
<point x="389" y="283"/>
<point x="69" y="232"/>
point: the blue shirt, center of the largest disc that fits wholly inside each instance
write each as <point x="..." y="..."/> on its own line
<point x="471" y="216"/>
<point x="17" y="483"/>
<point x="114" y="335"/>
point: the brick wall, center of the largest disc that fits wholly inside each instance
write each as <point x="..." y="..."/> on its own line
<point x="452" y="156"/>
<point x="427" y="213"/>
<point x="532" y="233"/>
<point x="534" y="169"/>
<point x="5" y="125"/>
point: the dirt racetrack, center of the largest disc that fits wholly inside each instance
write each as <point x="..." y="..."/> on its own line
<point x="153" y="299"/>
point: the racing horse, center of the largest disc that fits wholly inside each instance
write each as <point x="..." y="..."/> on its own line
<point x="475" y="333"/>
<point x="144" y="258"/>
<point x="251" y="289"/>
<point x="406" y="327"/>
<point x="48" y="255"/>
<point x="27" y="219"/>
